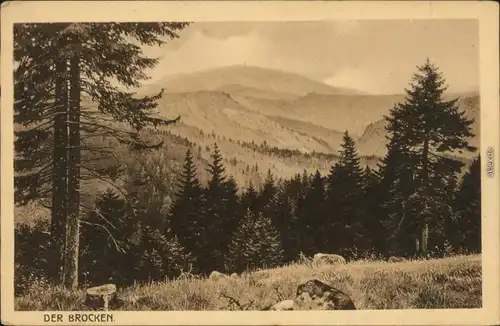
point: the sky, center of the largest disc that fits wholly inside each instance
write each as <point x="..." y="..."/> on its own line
<point x="375" y="56"/>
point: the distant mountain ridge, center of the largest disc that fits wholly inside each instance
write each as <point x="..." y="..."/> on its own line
<point x="247" y="77"/>
<point x="285" y="110"/>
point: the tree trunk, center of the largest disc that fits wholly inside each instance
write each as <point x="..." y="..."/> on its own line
<point x="59" y="175"/>
<point x="425" y="167"/>
<point x="73" y="223"/>
<point x="423" y="242"/>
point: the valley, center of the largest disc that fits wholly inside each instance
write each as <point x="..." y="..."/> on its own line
<point x="283" y="110"/>
<point x="262" y="120"/>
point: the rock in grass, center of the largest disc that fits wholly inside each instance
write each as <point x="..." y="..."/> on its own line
<point x="216" y="276"/>
<point x="329" y="259"/>
<point x="393" y="259"/>
<point x="316" y="295"/>
<point x="102" y="297"/>
<point x="281" y="306"/>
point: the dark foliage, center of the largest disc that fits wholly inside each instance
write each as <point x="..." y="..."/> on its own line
<point x="418" y="178"/>
<point x="255" y="244"/>
<point x="31" y="243"/>
<point x="465" y="229"/>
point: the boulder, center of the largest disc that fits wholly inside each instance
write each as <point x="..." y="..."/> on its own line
<point x="234" y="275"/>
<point x="281" y="306"/>
<point x="216" y="276"/>
<point x="316" y="295"/>
<point x="393" y="259"/>
<point x="102" y="297"/>
<point x="329" y="259"/>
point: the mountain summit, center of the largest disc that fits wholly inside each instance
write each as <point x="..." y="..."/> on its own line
<point x="249" y="77"/>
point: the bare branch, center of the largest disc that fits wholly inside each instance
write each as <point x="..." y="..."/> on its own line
<point x="95" y="210"/>
<point x="118" y="248"/>
<point x="236" y="302"/>
<point x="278" y="292"/>
<point x="97" y="176"/>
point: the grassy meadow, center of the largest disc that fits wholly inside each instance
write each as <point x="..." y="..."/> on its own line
<point x="453" y="282"/>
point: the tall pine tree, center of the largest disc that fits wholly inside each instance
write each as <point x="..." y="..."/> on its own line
<point x="286" y="222"/>
<point x="344" y="209"/>
<point x="249" y="199"/>
<point x="268" y="192"/>
<point x="373" y="212"/>
<point x="232" y="208"/>
<point x="424" y="130"/>
<point x="56" y="66"/>
<point x="186" y="212"/>
<point x="311" y="217"/>
<point x="215" y="213"/>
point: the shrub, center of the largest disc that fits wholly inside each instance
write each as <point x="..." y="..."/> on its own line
<point x="31" y="245"/>
<point x="255" y="244"/>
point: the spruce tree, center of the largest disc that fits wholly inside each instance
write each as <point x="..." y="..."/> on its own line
<point x="286" y="222"/>
<point x="311" y="219"/>
<point x="215" y="213"/>
<point x="255" y="244"/>
<point x="344" y="212"/>
<point x="424" y="130"/>
<point x="186" y="212"/>
<point x="396" y="184"/>
<point x="232" y="207"/>
<point x="159" y="255"/>
<point x="373" y="212"/>
<point x="267" y="195"/>
<point x="249" y="199"/>
<point x="55" y="64"/>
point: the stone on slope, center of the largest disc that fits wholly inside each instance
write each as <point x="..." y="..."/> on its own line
<point x="316" y="295"/>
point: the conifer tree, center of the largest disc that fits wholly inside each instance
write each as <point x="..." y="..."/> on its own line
<point x="305" y="178"/>
<point x="311" y="217"/>
<point x="345" y="214"/>
<point x="422" y="131"/>
<point x="396" y="183"/>
<point x="249" y="199"/>
<point x="232" y="212"/>
<point x="55" y="65"/>
<point x="267" y="195"/>
<point x="186" y="213"/>
<point x="373" y="212"/>
<point x="255" y="244"/>
<point x="158" y="255"/>
<point x="215" y="213"/>
<point x="286" y="222"/>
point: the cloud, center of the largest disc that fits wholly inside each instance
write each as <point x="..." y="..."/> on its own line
<point x="200" y="52"/>
<point x="355" y="79"/>
<point x="372" y="55"/>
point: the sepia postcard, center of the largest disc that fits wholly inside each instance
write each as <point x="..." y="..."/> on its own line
<point x="250" y="163"/>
